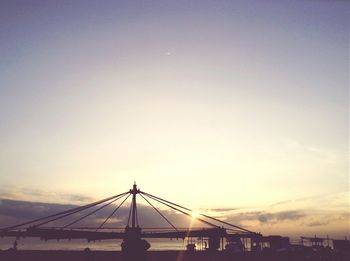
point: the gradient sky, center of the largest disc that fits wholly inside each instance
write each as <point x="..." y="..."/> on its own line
<point x="206" y="103"/>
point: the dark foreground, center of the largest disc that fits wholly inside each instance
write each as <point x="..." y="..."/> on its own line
<point x="50" y="255"/>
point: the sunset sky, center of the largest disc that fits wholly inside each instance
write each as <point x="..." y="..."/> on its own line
<point x="233" y="107"/>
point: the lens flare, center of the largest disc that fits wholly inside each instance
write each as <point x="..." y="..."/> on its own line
<point x="195" y="214"/>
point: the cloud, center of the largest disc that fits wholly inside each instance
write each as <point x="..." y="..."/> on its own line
<point x="318" y="223"/>
<point x="289" y="215"/>
<point x="15" y="211"/>
<point x="263" y="218"/>
<point x="221" y="209"/>
<point x="78" y="198"/>
<point x="328" y="219"/>
<point x="284" y="202"/>
<point x="266" y="217"/>
<point x="41" y="195"/>
<point x="280" y="216"/>
<point x="29" y="210"/>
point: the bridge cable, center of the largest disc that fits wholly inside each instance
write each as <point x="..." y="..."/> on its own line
<point x="68" y="214"/>
<point x="177" y="209"/>
<point x="112" y="213"/>
<point x="209" y="217"/>
<point x="96" y="210"/>
<point x="159" y="212"/>
<point x="62" y="214"/>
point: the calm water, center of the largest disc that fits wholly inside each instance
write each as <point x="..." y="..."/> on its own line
<point x="37" y="244"/>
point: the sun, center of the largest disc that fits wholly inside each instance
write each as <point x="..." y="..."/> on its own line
<point x="195" y="214"/>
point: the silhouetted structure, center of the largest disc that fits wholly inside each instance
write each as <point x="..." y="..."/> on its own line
<point x="134" y="246"/>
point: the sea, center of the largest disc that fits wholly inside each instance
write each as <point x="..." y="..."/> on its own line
<point x="107" y="245"/>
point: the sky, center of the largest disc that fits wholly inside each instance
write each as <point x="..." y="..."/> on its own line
<point x="211" y="104"/>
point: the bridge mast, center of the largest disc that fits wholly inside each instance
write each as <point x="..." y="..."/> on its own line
<point x="133" y="246"/>
<point x="134" y="191"/>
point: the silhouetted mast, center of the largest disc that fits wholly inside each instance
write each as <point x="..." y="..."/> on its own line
<point x="134" y="191"/>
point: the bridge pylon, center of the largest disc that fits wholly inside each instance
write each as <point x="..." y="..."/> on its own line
<point x="133" y="246"/>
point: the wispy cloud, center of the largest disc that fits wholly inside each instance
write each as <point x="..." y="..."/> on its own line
<point x="280" y="216"/>
<point x="42" y="195"/>
<point x="221" y="209"/>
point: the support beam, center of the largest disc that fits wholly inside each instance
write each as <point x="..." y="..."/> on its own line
<point x="134" y="191"/>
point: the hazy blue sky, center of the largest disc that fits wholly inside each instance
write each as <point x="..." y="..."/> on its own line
<point x="208" y="103"/>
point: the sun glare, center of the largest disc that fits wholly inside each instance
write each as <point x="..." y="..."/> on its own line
<point x="195" y="214"/>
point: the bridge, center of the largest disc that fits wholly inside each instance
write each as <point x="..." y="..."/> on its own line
<point x="215" y="231"/>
